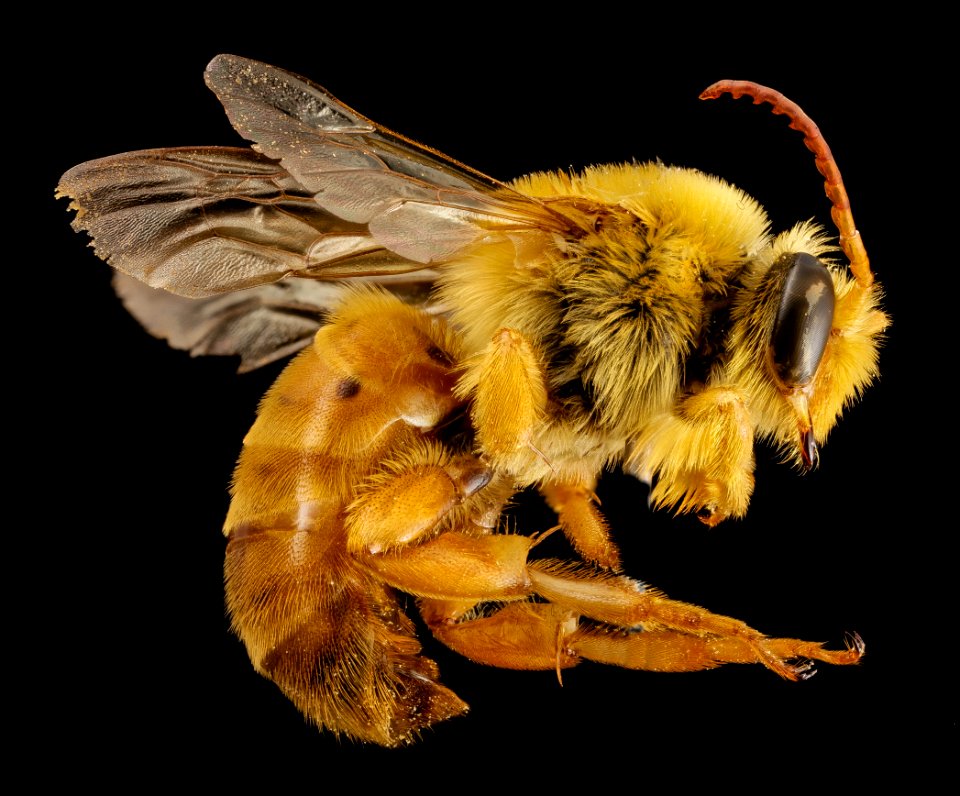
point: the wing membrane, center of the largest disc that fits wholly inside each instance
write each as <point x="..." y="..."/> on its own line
<point x="416" y="202"/>
<point x="203" y="221"/>
<point x="261" y="324"/>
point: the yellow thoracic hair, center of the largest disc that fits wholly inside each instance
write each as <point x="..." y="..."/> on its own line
<point x="620" y="306"/>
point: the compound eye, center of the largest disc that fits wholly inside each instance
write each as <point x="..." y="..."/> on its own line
<point x="804" y="319"/>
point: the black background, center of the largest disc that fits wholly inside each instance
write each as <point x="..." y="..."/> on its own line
<point x="136" y="442"/>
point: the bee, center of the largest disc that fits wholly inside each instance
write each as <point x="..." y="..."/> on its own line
<point x="458" y="339"/>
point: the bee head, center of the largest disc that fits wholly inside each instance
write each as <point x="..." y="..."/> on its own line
<point x="805" y="333"/>
<point x="801" y="327"/>
<point x="804" y="341"/>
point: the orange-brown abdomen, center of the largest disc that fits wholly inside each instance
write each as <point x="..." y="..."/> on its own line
<point x="329" y="634"/>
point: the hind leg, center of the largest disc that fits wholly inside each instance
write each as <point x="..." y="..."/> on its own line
<point x="459" y="572"/>
<point x="444" y="556"/>
<point x="530" y="635"/>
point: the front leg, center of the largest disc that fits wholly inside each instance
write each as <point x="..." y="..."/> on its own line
<point x="699" y="457"/>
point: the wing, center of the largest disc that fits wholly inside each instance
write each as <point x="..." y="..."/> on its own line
<point x="261" y="324"/>
<point x="324" y="194"/>
<point x="203" y="221"/>
<point x="415" y="201"/>
<point x="328" y="195"/>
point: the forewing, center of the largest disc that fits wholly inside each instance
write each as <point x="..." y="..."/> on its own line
<point x="415" y="202"/>
<point x="203" y="221"/>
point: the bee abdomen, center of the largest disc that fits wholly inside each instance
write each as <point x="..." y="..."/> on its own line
<point x="333" y="639"/>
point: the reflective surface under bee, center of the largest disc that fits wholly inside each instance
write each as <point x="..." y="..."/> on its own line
<point x="466" y="339"/>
